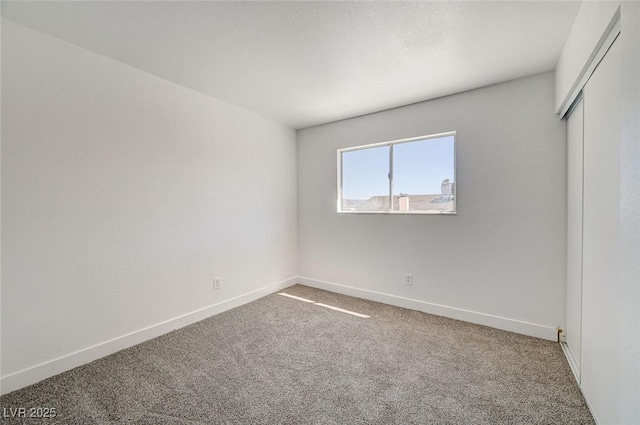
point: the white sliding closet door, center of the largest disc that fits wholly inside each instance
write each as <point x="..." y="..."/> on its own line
<point x="574" y="236"/>
<point x="600" y="371"/>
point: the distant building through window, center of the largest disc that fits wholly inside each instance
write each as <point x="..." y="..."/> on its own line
<point x="414" y="175"/>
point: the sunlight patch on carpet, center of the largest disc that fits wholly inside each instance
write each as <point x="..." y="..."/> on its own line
<point x="296" y="298"/>
<point x="342" y="310"/>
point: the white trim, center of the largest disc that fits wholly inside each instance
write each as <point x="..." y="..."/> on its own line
<point x="571" y="360"/>
<point x="504" y="323"/>
<point x="432" y="212"/>
<point x="67" y="362"/>
<point x="395" y="142"/>
<point x="567" y="353"/>
<point x="606" y="41"/>
<point x="586" y="399"/>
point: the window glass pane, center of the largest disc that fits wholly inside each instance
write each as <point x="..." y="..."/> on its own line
<point x="423" y="175"/>
<point x="365" y="179"/>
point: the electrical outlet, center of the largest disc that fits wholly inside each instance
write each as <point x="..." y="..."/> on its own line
<point x="408" y="279"/>
<point x="216" y="283"/>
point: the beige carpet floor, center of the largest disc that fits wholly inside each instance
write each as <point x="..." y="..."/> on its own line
<point x="280" y="360"/>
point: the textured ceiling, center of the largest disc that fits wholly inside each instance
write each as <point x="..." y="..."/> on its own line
<point x="307" y="63"/>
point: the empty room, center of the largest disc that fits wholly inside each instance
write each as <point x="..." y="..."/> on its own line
<point x="333" y="212"/>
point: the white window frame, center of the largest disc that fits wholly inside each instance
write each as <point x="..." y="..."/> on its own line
<point x="391" y="144"/>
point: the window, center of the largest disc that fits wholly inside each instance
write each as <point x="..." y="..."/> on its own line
<point x="404" y="176"/>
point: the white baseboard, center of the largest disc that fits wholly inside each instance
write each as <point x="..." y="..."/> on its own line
<point x="576" y="373"/>
<point x="571" y="360"/>
<point x="67" y="362"/>
<point x="504" y="323"/>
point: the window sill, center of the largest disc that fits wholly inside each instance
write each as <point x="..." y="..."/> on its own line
<point x="401" y="212"/>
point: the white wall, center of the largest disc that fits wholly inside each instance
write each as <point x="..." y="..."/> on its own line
<point x="123" y="195"/>
<point x="630" y="215"/>
<point x="500" y="260"/>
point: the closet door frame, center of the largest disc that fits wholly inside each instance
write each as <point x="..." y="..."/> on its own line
<point x="575" y="140"/>
<point x="572" y="344"/>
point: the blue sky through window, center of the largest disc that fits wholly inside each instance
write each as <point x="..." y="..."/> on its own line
<point x="419" y="168"/>
<point x="365" y="173"/>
